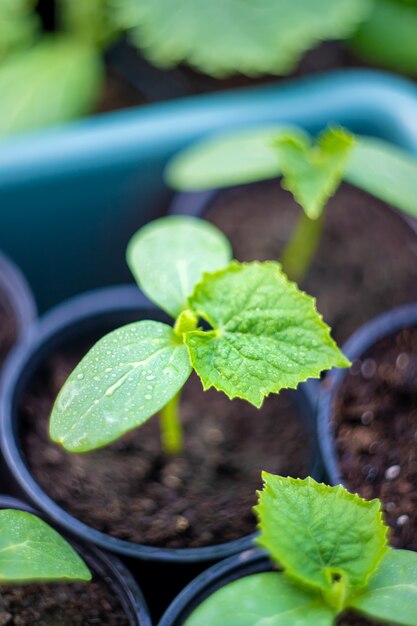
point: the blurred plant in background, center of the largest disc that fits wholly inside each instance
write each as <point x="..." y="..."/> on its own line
<point x="48" y="77"/>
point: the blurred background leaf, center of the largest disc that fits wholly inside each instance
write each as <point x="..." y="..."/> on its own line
<point x="19" y="25"/>
<point x="55" y="80"/>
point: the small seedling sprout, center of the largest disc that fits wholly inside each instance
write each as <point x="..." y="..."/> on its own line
<point x="244" y="328"/>
<point x="312" y="172"/>
<point x="331" y="550"/>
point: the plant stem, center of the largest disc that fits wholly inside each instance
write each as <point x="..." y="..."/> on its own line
<point x="300" y="250"/>
<point x="170" y="424"/>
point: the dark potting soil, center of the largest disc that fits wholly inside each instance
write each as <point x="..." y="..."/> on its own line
<point x="8" y="327"/>
<point x="376" y="431"/>
<point x="63" y="604"/>
<point x="354" y="619"/>
<point x="366" y="262"/>
<point x="133" y="491"/>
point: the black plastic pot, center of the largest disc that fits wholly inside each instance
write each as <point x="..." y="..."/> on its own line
<point x="103" y="309"/>
<point x="382" y="326"/>
<point x="108" y="568"/>
<point x="14" y="287"/>
<point x="217" y="576"/>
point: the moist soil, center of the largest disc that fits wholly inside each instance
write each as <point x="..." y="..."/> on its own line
<point x="8" y="327"/>
<point x="366" y="262"/>
<point x="66" y="604"/>
<point x="376" y="431"/>
<point x="131" y="490"/>
<point x="353" y="619"/>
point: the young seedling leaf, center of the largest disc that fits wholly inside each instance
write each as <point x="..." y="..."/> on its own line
<point x="89" y="21"/>
<point x="30" y="550"/>
<point x="267" y="335"/>
<point x="169" y="256"/>
<point x="391" y="594"/>
<point x="222" y="37"/>
<point x="126" y="377"/>
<point x="54" y="81"/>
<point x="385" y="171"/>
<point x="314" y="172"/>
<point x="244" y="156"/>
<point x="268" y="599"/>
<point x="324" y="537"/>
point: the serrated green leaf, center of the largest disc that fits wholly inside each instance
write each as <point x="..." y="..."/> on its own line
<point x="388" y="36"/>
<point x="316" y="532"/>
<point x="169" y="256"/>
<point x="126" y="377"/>
<point x="54" y="81"/>
<point x="223" y="37"/>
<point x="385" y="171"/>
<point x="267" y="335"/>
<point x="18" y="25"/>
<point x="268" y="599"/>
<point x="30" y="550"/>
<point x="227" y="160"/>
<point x="314" y="172"/>
<point x="391" y="594"/>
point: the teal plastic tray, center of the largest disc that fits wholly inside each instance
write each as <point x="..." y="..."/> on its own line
<point x="70" y="197"/>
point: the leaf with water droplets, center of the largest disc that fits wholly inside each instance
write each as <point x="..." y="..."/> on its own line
<point x="126" y="377"/>
<point x="31" y="550"/>
<point x="267" y="334"/>
<point x="169" y="256"/>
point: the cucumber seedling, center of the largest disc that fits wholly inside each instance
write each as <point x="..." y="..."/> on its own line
<point x="331" y="550"/>
<point x="243" y="327"/>
<point x="311" y="171"/>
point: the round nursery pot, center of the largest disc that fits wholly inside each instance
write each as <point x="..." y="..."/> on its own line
<point x="366" y="262"/>
<point x="17" y="306"/>
<point x="367" y="419"/>
<point x="112" y="587"/>
<point x="90" y="495"/>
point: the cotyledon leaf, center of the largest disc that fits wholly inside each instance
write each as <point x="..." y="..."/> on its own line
<point x="244" y="156"/>
<point x="169" y="256"/>
<point x="316" y="532"/>
<point x="31" y="550"/>
<point x="125" y="378"/>
<point x="267" y="599"/>
<point x="391" y="594"/>
<point x="267" y="334"/>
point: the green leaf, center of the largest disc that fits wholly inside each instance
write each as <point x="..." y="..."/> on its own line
<point x="268" y="599"/>
<point x="222" y="37"/>
<point x="18" y="25"/>
<point x="169" y="256"/>
<point x="126" y="377"/>
<point x="30" y="550"/>
<point x="227" y="160"/>
<point x="388" y="36"/>
<point x="319" y="533"/>
<point x="54" y="81"/>
<point x="267" y="335"/>
<point x="314" y="172"/>
<point x="391" y="594"/>
<point x="385" y="171"/>
<point x="90" y="21"/>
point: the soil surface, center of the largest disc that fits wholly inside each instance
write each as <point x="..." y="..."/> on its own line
<point x="376" y="431"/>
<point x="366" y="262"/>
<point x="66" y="604"/>
<point x="353" y="619"/>
<point x="8" y="328"/>
<point x="133" y="491"/>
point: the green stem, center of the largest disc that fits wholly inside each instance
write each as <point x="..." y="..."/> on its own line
<point x="171" y="429"/>
<point x="300" y="250"/>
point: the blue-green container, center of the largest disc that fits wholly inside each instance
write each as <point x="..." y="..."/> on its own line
<point x="71" y="197"/>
